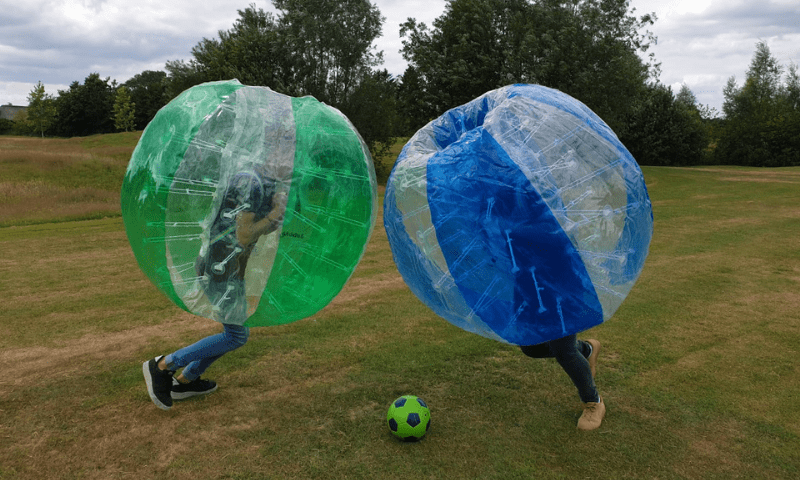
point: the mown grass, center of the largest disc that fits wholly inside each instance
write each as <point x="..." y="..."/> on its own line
<point x="698" y="370"/>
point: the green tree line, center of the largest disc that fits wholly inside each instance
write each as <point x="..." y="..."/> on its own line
<point x="595" y="50"/>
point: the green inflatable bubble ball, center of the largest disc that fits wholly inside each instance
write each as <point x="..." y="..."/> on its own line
<point x="247" y="206"/>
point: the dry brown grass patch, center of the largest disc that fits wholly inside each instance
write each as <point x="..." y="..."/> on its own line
<point x="45" y="155"/>
<point x="715" y="450"/>
<point x="37" y="201"/>
<point x="359" y="292"/>
<point x="759" y="176"/>
<point x="29" y="366"/>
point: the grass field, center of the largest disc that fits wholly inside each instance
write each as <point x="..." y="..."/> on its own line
<point x="699" y="369"/>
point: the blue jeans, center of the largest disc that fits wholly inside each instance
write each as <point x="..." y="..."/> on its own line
<point x="196" y="358"/>
<point x="571" y="354"/>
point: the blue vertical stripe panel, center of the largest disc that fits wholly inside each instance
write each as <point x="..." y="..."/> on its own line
<point x="512" y="262"/>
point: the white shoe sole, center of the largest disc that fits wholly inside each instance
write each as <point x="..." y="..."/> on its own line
<point x="185" y="395"/>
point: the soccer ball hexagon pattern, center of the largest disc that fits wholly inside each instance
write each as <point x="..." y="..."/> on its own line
<point x="409" y="418"/>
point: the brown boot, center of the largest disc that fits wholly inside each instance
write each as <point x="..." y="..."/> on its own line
<point x="593" y="356"/>
<point x="593" y="414"/>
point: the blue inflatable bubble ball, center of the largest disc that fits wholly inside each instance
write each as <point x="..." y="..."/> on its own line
<point x="519" y="216"/>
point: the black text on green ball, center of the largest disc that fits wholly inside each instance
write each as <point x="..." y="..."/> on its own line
<point x="409" y="418"/>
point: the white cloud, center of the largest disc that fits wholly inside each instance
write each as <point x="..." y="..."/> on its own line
<point x="396" y="13"/>
<point x="62" y="41"/>
<point x="16" y="93"/>
<point x="700" y="42"/>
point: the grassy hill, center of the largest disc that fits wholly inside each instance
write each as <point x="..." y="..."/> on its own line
<point x="45" y="180"/>
<point x="54" y="180"/>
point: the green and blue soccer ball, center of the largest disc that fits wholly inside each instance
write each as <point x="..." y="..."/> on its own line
<point x="409" y="418"/>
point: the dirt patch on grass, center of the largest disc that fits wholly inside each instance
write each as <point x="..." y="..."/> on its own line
<point x="760" y="175"/>
<point x="714" y="450"/>
<point x="770" y="179"/>
<point x="361" y="291"/>
<point x="29" y="366"/>
<point x="738" y="222"/>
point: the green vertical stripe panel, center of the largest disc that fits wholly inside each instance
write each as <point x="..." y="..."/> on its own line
<point x="150" y="174"/>
<point x="330" y="215"/>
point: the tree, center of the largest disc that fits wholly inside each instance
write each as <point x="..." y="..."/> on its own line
<point x="474" y="47"/>
<point x="665" y="129"/>
<point x="251" y="51"/>
<point x="124" y="110"/>
<point x="762" y="123"/>
<point x="590" y="49"/>
<point x="41" y="110"/>
<point x="686" y="97"/>
<point x="6" y="126"/>
<point x="764" y="76"/>
<point x="414" y="110"/>
<point x="329" y="45"/>
<point x="792" y="89"/>
<point x="182" y="75"/>
<point x="21" y="124"/>
<point x="585" y="48"/>
<point x="373" y="107"/>
<point x="148" y="92"/>
<point x="86" y="109"/>
<point x="784" y="129"/>
<point x="321" y="48"/>
<point x="702" y="117"/>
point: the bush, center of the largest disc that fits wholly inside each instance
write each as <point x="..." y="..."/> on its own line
<point x="6" y="126"/>
<point x="663" y="131"/>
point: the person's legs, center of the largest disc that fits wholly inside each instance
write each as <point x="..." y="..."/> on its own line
<point x="541" y="350"/>
<point x="227" y="295"/>
<point x="578" y="359"/>
<point x="594" y="352"/>
<point x="196" y="358"/>
<point x="569" y="353"/>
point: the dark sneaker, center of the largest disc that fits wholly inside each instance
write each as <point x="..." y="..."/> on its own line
<point x="159" y="383"/>
<point x="198" y="386"/>
<point x="593" y="356"/>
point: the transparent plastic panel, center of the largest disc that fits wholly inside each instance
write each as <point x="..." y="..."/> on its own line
<point x="244" y="149"/>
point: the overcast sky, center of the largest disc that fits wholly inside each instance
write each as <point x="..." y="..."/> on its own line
<point x="700" y="42"/>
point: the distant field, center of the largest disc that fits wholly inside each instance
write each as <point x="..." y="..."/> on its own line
<point x="699" y="368"/>
<point x="53" y="180"/>
<point x="43" y="180"/>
